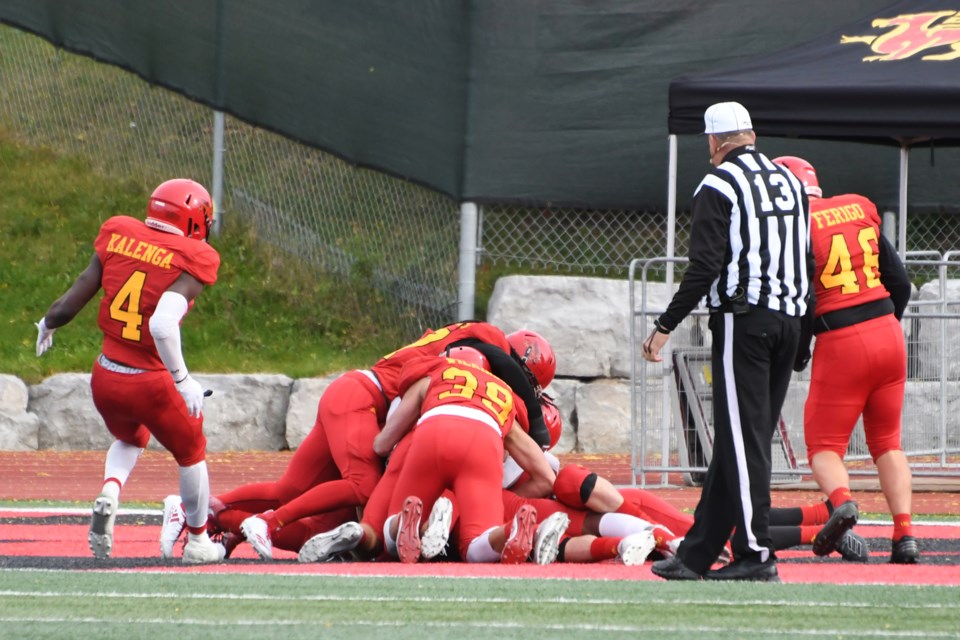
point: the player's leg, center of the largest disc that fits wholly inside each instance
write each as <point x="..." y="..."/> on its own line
<point x="112" y="397"/>
<point x="829" y="419"/>
<point x="182" y="435"/>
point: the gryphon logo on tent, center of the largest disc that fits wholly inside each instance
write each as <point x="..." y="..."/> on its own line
<point x="913" y="34"/>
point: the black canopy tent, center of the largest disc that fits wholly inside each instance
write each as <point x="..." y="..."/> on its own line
<point x="892" y="78"/>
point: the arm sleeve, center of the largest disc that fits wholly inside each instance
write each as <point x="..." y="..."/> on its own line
<point x="509" y="370"/>
<point x="894" y="277"/>
<point x="165" y="329"/>
<point x="709" y="232"/>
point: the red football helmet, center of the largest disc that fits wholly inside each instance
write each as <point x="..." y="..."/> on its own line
<point x="804" y="172"/>
<point x="181" y="206"/>
<point x="536" y="354"/>
<point x="551" y="416"/>
<point x="468" y="355"/>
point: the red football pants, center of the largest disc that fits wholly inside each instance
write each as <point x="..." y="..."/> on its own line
<point x="860" y="369"/>
<point x="133" y="406"/>
<point x="464" y="456"/>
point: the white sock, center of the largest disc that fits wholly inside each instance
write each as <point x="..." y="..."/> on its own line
<point x="195" y="493"/>
<point x="121" y="459"/>
<point x="389" y="542"/>
<point x="480" y="549"/>
<point x="620" y="525"/>
<point x="197" y="537"/>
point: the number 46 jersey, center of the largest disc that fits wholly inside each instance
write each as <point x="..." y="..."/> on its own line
<point x="845" y="233"/>
<point x="139" y="264"/>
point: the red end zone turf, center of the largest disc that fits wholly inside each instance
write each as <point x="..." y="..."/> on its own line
<point x="58" y="542"/>
<point x="42" y="541"/>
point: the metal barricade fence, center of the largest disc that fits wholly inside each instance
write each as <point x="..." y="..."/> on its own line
<point x="671" y="402"/>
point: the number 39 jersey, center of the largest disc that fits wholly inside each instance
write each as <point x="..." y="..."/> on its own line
<point x="458" y="384"/>
<point x="845" y="231"/>
<point x="139" y="264"/>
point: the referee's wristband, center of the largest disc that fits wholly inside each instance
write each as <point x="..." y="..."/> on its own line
<point x="659" y="327"/>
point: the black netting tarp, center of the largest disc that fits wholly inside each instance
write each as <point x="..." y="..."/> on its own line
<point x="562" y="102"/>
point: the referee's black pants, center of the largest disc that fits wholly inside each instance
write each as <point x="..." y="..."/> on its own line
<point x="752" y="358"/>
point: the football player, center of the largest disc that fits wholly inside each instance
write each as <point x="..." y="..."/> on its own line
<point x="465" y="419"/>
<point x="861" y="289"/>
<point x="335" y="466"/>
<point x="150" y="272"/>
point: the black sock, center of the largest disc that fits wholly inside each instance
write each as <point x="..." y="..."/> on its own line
<point x="784" y="537"/>
<point x="786" y="517"/>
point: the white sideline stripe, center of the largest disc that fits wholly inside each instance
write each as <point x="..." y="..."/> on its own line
<point x="462" y="600"/>
<point x="75" y="511"/>
<point x="325" y="624"/>
<point x="72" y="511"/>
<point x="388" y="576"/>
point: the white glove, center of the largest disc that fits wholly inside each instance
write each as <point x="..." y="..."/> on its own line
<point x="44" y="337"/>
<point x="192" y="393"/>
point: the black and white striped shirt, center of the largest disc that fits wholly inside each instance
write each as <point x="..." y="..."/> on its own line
<point x="750" y="229"/>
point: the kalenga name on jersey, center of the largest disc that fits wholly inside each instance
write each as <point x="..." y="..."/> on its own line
<point x="143" y="251"/>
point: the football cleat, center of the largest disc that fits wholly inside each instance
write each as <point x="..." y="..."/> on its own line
<point x="905" y="551"/>
<point x="433" y="542"/>
<point x="520" y="538"/>
<point x="408" y="531"/>
<point x="546" y="541"/>
<point x="636" y="547"/>
<point x="841" y="520"/>
<point x="200" y="549"/>
<point x="256" y="532"/>
<point x="853" y="547"/>
<point x="100" y="537"/>
<point x="325" y="546"/>
<point x="174" y="520"/>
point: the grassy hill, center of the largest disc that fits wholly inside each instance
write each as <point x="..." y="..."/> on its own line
<point x="267" y="313"/>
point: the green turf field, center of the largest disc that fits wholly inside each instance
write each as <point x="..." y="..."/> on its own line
<point x="41" y="604"/>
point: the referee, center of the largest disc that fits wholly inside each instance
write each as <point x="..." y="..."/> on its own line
<point x="750" y="257"/>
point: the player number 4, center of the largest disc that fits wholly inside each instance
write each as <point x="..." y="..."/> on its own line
<point x="125" y="306"/>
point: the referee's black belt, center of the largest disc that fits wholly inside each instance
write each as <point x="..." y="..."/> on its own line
<point x="852" y="315"/>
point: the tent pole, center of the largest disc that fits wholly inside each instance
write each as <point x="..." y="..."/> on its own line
<point x="666" y="418"/>
<point x="671" y="205"/>
<point x="904" y="171"/>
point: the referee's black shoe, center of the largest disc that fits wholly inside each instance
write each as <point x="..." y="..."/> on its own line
<point x="747" y="569"/>
<point x="674" y="569"/>
<point x="841" y="520"/>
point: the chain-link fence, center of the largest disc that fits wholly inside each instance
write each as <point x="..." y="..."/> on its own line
<point x="672" y="403"/>
<point x="331" y="215"/>
<point x="574" y="241"/>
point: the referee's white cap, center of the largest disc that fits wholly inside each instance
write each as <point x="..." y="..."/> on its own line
<point x="725" y="117"/>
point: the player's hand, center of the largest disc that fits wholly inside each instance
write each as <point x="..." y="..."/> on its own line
<point x="44" y="337"/>
<point x="192" y="393"/>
